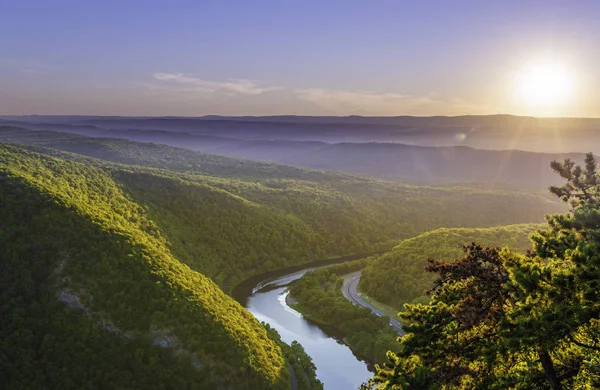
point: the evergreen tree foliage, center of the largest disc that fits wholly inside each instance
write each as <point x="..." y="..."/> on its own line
<point x="499" y="319"/>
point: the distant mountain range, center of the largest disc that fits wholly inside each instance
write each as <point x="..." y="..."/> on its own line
<point x="485" y="149"/>
<point x="486" y="132"/>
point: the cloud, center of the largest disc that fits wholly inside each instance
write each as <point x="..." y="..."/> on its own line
<point x="252" y="96"/>
<point x="342" y="102"/>
<point x="23" y="66"/>
<point x="230" y="86"/>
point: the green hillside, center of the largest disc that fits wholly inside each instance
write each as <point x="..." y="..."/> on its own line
<point x="399" y="276"/>
<point x="232" y="218"/>
<point x="499" y="319"/>
<point x="113" y="253"/>
<point x="91" y="296"/>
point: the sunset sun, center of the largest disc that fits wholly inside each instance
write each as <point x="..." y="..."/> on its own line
<point x="545" y="85"/>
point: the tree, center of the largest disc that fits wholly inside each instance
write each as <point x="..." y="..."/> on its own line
<point x="502" y="320"/>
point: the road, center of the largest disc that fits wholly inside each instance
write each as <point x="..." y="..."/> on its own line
<point x="293" y="377"/>
<point x="349" y="289"/>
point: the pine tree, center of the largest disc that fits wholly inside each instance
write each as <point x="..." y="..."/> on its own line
<point x="497" y="319"/>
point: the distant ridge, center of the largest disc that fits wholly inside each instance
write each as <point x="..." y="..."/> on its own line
<point x="411" y="163"/>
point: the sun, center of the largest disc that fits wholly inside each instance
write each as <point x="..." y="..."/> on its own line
<point x="545" y="85"/>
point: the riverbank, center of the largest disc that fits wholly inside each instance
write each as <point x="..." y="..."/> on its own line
<point x="290" y="301"/>
<point x="338" y="366"/>
<point x="318" y="296"/>
<point x="243" y="290"/>
<point x="294" y="304"/>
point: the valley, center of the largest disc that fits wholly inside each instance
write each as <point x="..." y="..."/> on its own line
<point x="299" y="195"/>
<point x="182" y="230"/>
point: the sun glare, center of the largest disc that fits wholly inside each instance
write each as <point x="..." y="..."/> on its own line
<point x="545" y="85"/>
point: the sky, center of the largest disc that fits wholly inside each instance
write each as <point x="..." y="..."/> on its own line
<point x="255" y="57"/>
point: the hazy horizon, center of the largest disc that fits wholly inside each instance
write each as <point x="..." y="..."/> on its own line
<point x="3" y="115"/>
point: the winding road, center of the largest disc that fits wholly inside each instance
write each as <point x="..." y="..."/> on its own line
<point x="293" y="377"/>
<point x="349" y="289"/>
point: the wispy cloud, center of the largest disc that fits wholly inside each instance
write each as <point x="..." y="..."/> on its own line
<point x="254" y="95"/>
<point x="23" y="65"/>
<point x="344" y="102"/>
<point x="229" y="86"/>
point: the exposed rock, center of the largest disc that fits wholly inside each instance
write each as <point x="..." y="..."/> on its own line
<point x="71" y="300"/>
<point x="163" y="340"/>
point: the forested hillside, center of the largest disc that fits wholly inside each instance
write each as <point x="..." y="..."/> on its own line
<point x="90" y="293"/>
<point x="231" y="218"/>
<point x="499" y="319"/>
<point x="113" y="251"/>
<point x="399" y="276"/>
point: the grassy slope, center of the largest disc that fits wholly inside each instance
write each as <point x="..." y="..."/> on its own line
<point x="68" y="228"/>
<point x="399" y="276"/>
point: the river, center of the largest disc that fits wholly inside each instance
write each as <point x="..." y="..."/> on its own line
<point x="337" y="366"/>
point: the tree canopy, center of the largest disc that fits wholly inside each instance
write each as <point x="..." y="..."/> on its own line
<point x="231" y="219"/>
<point x="113" y="253"/>
<point x="407" y="260"/>
<point x="90" y="294"/>
<point x="499" y="319"/>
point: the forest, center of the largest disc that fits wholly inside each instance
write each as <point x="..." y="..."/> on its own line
<point x="231" y="218"/>
<point x="135" y="245"/>
<point x="409" y="258"/>
<point x="319" y="296"/>
<point x="501" y="319"/>
<point x="300" y="195"/>
<point x="91" y="294"/>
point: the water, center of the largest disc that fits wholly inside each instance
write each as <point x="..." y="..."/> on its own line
<point x="337" y="367"/>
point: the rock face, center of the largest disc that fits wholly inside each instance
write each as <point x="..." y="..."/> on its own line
<point x="71" y="300"/>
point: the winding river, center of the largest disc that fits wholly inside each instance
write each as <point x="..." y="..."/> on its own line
<point x="337" y="366"/>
